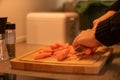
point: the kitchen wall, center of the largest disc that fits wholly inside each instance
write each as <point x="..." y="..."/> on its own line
<point x="16" y="11"/>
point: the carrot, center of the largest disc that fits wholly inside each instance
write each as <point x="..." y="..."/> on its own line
<point x="43" y="55"/>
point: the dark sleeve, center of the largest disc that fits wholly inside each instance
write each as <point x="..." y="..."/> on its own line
<point x="115" y="6"/>
<point x="108" y="31"/>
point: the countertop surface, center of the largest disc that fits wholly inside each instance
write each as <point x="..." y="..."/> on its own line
<point x="110" y="71"/>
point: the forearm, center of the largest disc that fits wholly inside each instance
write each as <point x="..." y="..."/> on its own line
<point x="104" y="17"/>
<point x="107" y="15"/>
<point x="108" y="30"/>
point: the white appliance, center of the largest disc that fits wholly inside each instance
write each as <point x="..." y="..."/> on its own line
<point x="51" y="27"/>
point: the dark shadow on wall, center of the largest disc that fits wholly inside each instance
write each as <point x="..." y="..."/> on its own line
<point x="94" y="11"/>
<point x="49" y="5"/>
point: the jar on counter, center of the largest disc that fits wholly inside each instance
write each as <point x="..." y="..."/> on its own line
<point x="3" y="50"/>
<point x="10" y="38"/>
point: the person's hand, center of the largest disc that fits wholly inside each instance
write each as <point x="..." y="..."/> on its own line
<point x="86" y="38"/>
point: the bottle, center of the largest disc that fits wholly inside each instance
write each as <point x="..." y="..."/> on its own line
<point x="3" y="50"/>
<point x="10" y="35"/>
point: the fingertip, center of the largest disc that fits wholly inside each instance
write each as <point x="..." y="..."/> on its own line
<point x="74" y="46"/>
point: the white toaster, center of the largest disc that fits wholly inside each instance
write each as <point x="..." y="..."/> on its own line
<point x="51" y="27"/>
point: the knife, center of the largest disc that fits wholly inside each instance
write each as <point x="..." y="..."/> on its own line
<point x="83" y="50"/>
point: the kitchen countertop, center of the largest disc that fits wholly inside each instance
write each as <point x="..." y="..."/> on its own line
<point x="110" y="71"/>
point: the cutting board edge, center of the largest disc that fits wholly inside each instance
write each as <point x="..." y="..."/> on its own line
<point x="20" y="65"/>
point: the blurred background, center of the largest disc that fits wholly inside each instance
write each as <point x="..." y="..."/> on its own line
<point x="17" y="10"/>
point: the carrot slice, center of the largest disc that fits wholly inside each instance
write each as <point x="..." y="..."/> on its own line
<point x="43" y="55"/>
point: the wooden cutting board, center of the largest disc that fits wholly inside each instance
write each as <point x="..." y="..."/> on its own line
<point x="87" y="65"/>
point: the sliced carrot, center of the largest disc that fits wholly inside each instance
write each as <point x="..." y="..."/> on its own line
<point x="43" y="55"/>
